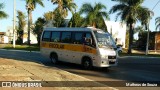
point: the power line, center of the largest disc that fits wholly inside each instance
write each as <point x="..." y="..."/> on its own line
<point x="156" y="5"/>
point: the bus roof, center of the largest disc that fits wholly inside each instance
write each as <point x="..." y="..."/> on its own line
<point x="71" y="29"/>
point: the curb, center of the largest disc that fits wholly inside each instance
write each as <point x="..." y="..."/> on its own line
<point x="136" y="57"/>
<point x="20" y="50"/>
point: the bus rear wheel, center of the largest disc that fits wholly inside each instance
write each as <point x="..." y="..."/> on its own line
<point x="54" y="58"/>
<point x="87" y="64"/>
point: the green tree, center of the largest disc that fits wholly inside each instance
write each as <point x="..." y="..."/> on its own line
<point x="94" y="14"/>
<point x="30" y="6"/>
<point x="64" y="6"/>
<point x="2" y="13"/>
<point x="157" y="23"/>
<point x="49" y="16"/>
<point x="21" y="24"/>
<point x="139" y="29"/>
<point x="76" y="20"/>
<point x="58" y="20"/>
<point x="39" y="28"/>
<point x="142" y="41"/>
<point x="56" y="17"/>
<point x="131" y="11"/>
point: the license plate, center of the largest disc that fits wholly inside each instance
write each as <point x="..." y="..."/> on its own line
<point x="112" y="60"/>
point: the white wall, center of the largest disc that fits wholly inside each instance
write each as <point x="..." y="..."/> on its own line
<point x="33" y="37"/>
<point x="118" y="30"/>
<point x="6" y="39"/>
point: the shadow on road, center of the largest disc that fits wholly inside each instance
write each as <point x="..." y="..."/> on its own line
<point x="128" y="69"/>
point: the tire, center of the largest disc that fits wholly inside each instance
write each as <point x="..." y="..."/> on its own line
<point x="119" y="51"/>
<point x="54" y="58"/>
<point x="87" y="64"/>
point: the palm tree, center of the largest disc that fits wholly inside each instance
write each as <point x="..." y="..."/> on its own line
<point x="58" y="20"/>
<point x="64" y="6"/>
<point x="21" y="24"/>
<point x="157" y="23"/>
<point x="30" y="6"/>
<point x="39" y="28"/>
<point x="2" y="13"/>
<point x="49" y="15"/>
<point x="94" y="14"/>
<point x="131" y="11"/>
<point x="76" y="20"/>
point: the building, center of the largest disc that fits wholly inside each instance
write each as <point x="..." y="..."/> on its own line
<point x="9" y="34"/>
<point x="3" y="37"/>
<point x="154" y="41"/>
<point x="118" y="31"/>
<point x="33" y="37"/>
<point x="157" y="41"/>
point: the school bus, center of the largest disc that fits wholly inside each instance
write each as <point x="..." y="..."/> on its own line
<point x="86" y="46"/>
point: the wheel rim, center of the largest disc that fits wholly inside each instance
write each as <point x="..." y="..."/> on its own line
<point x="86" y="64"/>
<point x="53" y="60"/>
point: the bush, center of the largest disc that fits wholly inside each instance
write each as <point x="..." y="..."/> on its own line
<point x="19" y="41"/>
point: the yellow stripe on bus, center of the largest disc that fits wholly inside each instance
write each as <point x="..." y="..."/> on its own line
<point x="71" y="47"/>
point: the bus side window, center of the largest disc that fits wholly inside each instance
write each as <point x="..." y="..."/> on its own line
<point x="55" y="37"/>
<point x="66" y="37"/>
<point x="46" y="36"/>
<point x="78" y="38"/>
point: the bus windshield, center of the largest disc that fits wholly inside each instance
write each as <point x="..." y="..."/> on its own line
<point x="104" y="39"/>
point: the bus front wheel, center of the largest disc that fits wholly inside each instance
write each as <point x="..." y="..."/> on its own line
<point x="54" y="58"/>
<point x="87" y="64"/>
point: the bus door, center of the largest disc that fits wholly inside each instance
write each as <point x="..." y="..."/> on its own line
<point x="77" y="53"/>
<point x="67" y="52"/>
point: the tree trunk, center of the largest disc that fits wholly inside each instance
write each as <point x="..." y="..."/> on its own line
<point x="38" y="39"/>
<point x="29" y="24"/>
<point x="130" y="38"/>
<point x="94" y="24"/>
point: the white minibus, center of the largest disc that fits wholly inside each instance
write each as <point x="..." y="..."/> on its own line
<point x="86" y="46"/>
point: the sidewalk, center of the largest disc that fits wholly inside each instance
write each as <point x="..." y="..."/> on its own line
<point x="143" y="52"/>
<point x="13" y="70"/>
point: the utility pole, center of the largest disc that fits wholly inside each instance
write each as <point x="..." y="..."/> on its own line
<point x="14" y="22"/>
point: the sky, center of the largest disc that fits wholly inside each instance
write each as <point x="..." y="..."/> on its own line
<point x="39" y="11"/>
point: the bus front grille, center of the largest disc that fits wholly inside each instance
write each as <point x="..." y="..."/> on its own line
<point x="111" y="57"/>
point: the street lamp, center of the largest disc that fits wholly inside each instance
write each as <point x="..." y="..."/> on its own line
<point x="14" y="22"/>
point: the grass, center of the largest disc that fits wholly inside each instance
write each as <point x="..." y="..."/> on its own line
<point x="21" y="47"/>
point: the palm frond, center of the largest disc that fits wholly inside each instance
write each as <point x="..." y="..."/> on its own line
<point x="158" y="27"/>
<point x="2" y="13"/>
<point x="117" y="7"/>
<point x="99" y="6"/>
<point x="87" y="7"/>
<point x="157" y="20"/>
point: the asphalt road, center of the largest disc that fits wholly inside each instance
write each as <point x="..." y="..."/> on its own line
<point x="129" y="69"/>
